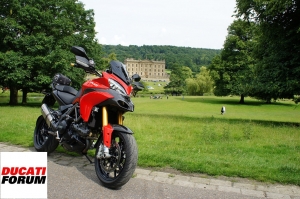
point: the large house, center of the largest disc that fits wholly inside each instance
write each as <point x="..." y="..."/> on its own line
<point x="147" y="69"/>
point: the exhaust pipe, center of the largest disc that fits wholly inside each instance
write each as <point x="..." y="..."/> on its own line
<point x="48" y="116"/>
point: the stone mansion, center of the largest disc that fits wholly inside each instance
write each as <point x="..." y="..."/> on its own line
<point x="147" y="69"/>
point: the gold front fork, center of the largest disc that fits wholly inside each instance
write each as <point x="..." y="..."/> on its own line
<point x="120" y="118"/>
<point x="104" y="116"/>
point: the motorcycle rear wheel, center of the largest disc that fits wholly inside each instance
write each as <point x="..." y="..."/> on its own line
<point x="43" y="141"/>
<point x="117" y="170"/>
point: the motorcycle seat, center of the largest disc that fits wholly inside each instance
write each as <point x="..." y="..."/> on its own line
<point x="66" y="94"/>
<point x="66" y="89"/>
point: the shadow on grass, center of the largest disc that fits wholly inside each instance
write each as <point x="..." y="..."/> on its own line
<point x="233" y="101"/>
<point x="30" y="104"/>
<point x="223" y="120"/>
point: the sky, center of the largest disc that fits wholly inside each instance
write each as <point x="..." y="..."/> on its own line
<point x="184" y="23"/>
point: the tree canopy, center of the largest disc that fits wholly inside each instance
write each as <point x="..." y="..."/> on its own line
<point x="193" y="58"/>
<point x="232" y="71"/>
<point x="261" y="55"/>
<point x="201" y="84"/>
<point x="36" y="37"/>
<point x="277" y="52"/>
<point x="177" y="84"/>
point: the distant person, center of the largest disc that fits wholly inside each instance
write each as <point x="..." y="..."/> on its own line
<point x="223" y="110"/>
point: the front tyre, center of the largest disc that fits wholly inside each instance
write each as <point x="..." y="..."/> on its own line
<point x="42" y="140"/>
<point x="115" y="171"/>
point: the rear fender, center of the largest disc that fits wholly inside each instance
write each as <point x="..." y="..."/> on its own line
<point x="49" y="99"/>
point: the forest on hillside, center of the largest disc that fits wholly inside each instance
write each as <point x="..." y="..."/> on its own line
<point x="174" y="56"/>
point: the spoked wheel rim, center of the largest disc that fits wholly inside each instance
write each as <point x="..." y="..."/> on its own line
<point x="112" y="167"/>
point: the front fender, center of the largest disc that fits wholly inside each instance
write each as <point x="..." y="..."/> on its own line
<point x="122" y="129"/>
<point x="106" y="137"/>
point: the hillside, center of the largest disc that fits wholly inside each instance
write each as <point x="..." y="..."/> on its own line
<point x="194" y="58"/>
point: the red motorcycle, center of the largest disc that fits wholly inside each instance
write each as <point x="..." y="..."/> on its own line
<point x="92" y="118"/>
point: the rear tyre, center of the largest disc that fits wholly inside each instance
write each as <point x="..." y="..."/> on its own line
<point x="117" y="170"/>
<point x="43" y="141"/>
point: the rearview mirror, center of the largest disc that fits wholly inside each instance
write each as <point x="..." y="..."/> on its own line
<point x="136" y="77"/>
<point x="137" y="86"/>
<point x="79" y="51"/>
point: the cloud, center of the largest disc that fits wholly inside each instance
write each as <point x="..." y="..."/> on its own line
<point x="119" y="39"/>
<point x="102" y="40"/>
<point x="162" y="32"/>
<point x="192" y="23"/>
<point x="115" y="40"/>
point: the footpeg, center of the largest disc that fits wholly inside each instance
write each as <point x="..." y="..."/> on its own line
<point x="57" y="135"/>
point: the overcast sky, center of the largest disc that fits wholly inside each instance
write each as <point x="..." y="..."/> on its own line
<point x="188" y="23"/>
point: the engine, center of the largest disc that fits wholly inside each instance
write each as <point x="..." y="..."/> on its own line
<point x="72" y="136"/>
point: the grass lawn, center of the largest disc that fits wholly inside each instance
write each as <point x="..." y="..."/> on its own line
<point x="157" y="88"/>
<point x="255" y="140"/>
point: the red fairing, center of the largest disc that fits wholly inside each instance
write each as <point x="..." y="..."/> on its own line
<point x="96" y="83"/>
<point x="89" y="100"/>
<point x="100" y="83"/>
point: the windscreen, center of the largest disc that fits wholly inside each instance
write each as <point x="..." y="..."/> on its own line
<point x="119" y="70"/>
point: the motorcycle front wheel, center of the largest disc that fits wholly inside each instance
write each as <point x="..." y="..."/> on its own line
<point x="117" y="170"/>
<point x="43" y="141"/>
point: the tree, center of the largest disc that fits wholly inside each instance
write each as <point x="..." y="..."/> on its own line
<point x="203" y="83"/>
<point x="192" y="86"/>
<point x="37" y="36"/>
<point x="278" y="45"/>
<point x="220" y="77"/>
<point x="233" y="70"/>
<point x="106" y="60"/>
<point x="183" y="56"/>
<point x="177" y="84"/>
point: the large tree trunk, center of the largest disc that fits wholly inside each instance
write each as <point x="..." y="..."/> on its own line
<point x="268" y="100"/>
<point x="242" y="100"/>
<point x="13" y="97"/>
<point x="24" y="96"/>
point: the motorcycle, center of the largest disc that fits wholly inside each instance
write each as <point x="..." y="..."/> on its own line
<point x="92" y="118"/>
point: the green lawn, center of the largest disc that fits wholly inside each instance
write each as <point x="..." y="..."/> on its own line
<point x="255" y="140"/>
<point x="158" y="88"/>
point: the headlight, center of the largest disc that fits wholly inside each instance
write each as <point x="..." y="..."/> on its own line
<point x="116" y="86"/>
